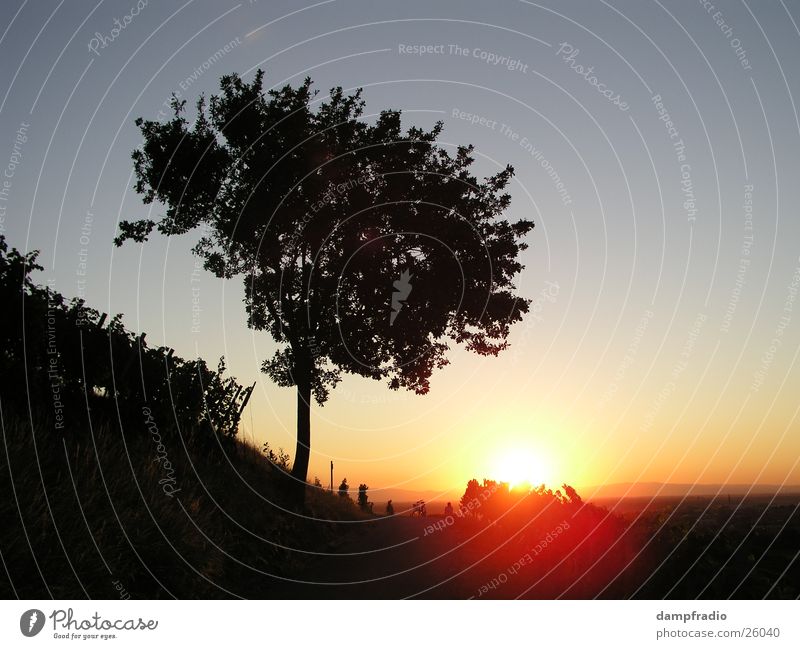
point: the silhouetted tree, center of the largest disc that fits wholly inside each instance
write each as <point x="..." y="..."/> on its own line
<point x="344" y="488"/>
<point x="470" y="498"/>
<point x="324" y="213"/>
<point x="571" y="494"/>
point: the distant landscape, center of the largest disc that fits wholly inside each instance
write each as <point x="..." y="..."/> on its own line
<point x="626" y="490"/>
<point x="658" y="489"/>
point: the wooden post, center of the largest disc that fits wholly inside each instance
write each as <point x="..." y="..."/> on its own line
<point x="246" y="397"/>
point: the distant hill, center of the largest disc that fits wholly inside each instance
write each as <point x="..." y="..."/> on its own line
<point x="380" y="496"/>
<point x="649" y="489"/>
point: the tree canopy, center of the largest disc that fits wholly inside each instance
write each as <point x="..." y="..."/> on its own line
<point x="325" y="214"/>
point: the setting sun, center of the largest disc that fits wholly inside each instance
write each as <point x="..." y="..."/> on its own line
<point x="520" y="466"/>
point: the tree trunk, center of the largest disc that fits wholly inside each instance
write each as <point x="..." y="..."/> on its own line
<point x="303" y="450"/>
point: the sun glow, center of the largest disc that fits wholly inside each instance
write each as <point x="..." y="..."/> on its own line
<point x="520" y="466"/>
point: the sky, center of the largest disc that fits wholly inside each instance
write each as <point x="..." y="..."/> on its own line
<point x="656" y="147"/>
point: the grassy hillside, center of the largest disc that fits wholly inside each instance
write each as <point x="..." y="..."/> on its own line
<point x="90" y="514"/>
<point x="121" y="473"/>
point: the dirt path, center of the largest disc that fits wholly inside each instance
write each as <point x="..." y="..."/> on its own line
<point x="390" y="558"/>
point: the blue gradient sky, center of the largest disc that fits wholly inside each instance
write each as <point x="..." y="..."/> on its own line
<point x="648" y="357"/>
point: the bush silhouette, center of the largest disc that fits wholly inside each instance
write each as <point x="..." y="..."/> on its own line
<point x="82" y="369"/>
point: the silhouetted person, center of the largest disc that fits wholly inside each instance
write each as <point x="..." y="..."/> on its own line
<point x="448" y="510"/>
<point x="389" y="509"/>
<point x="363" y="502"/>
